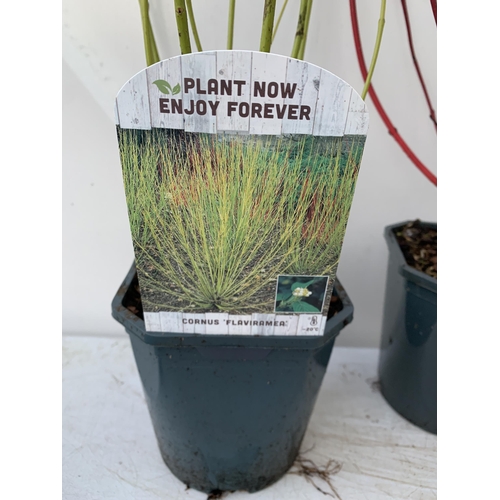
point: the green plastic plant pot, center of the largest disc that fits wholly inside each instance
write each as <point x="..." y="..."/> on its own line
<point x="229" y="412"/>
<point x="408" y="354"/>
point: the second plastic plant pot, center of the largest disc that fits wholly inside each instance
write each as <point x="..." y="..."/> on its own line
<point x="229" y="412"/>
<point x="408" y="355"/>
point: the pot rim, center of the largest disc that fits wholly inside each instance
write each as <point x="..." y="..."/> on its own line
<point x="135" y="325"/>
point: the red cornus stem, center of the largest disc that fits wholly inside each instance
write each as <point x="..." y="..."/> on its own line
<point x="435" y="10"/>
<point x="392" y="129"/>
<point x="415" y="62"/>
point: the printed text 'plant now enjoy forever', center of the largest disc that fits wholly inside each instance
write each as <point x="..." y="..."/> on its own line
<point x="213" y="87"/>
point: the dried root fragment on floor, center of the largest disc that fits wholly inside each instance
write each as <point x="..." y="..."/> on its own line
<point x="218" y="494"/>
<point x="374" y="384"/>
<point x="306" y="468"/>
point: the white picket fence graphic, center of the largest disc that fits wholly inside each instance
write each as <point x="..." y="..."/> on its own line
<point x="236" y="324"/>
<point x="336" y="109"/>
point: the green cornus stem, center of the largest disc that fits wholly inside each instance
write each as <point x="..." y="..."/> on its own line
<point x="230" y="24"/>
<point x="378" y="40"/>
<point x="277" y="25"/>
<point x="306" y="30"/>
<point x="150" y="48"/>
<point x="300" y="28"/>
<point x="156" y="55"/>
<point x="182" y="26"/>
<point x="194" y="29"/>
<point x="267" y="25"/>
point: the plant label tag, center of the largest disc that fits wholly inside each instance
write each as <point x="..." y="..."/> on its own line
<point x="239" y="170"/>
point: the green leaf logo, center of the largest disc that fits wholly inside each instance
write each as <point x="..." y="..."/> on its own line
<point x="166" y="88"/>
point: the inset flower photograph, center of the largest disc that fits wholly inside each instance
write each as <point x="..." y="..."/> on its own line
<point x="300" y="294"/>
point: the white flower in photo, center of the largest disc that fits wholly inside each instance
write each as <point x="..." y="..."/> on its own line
<point x="301" y="292"/>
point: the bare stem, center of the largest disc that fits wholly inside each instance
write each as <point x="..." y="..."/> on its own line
<point x="306" y="30"/>
<point x="182" y="26"/>
<point x="415" y="63"/>
<point x="156" y="55"/>
<point x="300" y="28"/>
<point x="230" y="24"/>
<point x="194" y="29"/>
<point x="276" y="26"/>
<point x="267" y="25"/>
<point x="434" y="10"/>
<point x="380" y="30"/>
<point x="147" y="31"/>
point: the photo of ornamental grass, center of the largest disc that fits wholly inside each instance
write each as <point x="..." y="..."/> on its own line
<point x="216" y="218"/>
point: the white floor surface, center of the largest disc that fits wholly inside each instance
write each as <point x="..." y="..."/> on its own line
<point x="110" y="451"/>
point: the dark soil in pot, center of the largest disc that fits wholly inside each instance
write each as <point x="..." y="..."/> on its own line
<point x="419" y="246"/>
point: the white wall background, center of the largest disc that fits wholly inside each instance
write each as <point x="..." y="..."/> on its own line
<point x="103" y="48"/>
